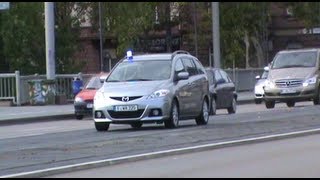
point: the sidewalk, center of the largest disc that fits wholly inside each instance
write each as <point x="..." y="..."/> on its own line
<point x="10" y="114"/>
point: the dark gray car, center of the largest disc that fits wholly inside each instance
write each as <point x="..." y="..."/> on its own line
<point x="153" y="88"/>
<point x="223" y="93"/>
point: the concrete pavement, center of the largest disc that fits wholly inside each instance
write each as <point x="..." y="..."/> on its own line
<point x="13" y="114"/>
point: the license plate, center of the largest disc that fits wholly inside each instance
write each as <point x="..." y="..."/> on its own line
<point x="89" y="105"/>
<point x="126" y="108"/>
<point x="288" y="91"/>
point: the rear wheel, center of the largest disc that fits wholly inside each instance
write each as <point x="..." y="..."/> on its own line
<point x="136" y="125"/>
<point x="102" y="126"/>
<point x="203" y="118"/>
<point x="233" y="108"/>
<point x="173" y="121"/>
<point x="290" y="103"/>
<point x="270" y="104"/>
<point x="213" y="106"/>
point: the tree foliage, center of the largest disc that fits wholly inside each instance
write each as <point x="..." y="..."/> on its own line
<point x="23" y="35"/>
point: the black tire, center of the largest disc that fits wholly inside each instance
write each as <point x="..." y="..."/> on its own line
<point x="173" y="121"/>
<point x="102" y="126"/>
<point x="290" y="103"/>
<point x="213" y="106"/>
<point x="258" y="101"/>
<point x="79" y="117"/>
<point x="270" y="104"/>
<point x="232" y="109"/>
<point x="136" y="125"/>
<point x="203" y="118"/>
<point x="316" y="100"/>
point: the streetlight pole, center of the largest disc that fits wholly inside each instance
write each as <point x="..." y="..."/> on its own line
<point x="195" y="27"/>
<point x="50" y="44"/>
<point x="216" y="33"/>
<point x="101" y="39"/>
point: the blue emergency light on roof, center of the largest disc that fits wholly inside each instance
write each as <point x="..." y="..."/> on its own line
<point x="129" y="55"/>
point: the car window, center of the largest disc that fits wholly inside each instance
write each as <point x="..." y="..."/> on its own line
<point x="94" y="83"/>
<point x="217" y="75"/>
<point x="146" y="70"/>
<point x="225" y="76"/>
<point x="199" y="66"/>
<point x="178" y="67"/>
<point x="190" y="66"/>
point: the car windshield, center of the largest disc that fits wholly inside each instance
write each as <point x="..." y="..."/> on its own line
<point x="149" y="70"/>
<point x="94" y="83"/>
<point x="264" y="75"/>
<point x="295" y="59"/>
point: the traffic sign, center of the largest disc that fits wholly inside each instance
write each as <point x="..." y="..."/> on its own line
<point x="4" y="5"/>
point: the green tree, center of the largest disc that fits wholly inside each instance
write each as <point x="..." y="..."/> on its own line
<point x="125" y="21"/>
<point x="23" y="34"/>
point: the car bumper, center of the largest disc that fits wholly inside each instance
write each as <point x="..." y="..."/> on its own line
<point x="83" y="108"/>
<point x="298" y="93"/>
<point x="146" y="107"/>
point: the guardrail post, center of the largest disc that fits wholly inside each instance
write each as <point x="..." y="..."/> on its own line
<point x="18" y="100"/>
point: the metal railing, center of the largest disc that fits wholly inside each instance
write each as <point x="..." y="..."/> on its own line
<point x="16" y="88"/>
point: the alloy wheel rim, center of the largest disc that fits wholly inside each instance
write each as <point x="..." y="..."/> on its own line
<point x="205" y="112"/>
<point x="175" y="115"/>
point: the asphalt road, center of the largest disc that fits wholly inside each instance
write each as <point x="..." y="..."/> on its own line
<point x="287" y="158"/>
<point x="43" y="145"/>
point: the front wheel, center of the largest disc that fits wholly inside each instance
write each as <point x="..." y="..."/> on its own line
<point x="270" y="104"/>
<point x="316" y="100"/>
<point x="173" y="121"/>
<point x="102" y="126"/>
<point x="290" y="103"/>
<point x="79" y="117"/>
<point x="213" y="106"/>
<point x="203" y="118"/>
<point x="233" y="108"/>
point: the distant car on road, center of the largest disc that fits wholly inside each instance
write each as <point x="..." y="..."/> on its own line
<point x="153" y="88"/>
<point x="223" y="93"/>
<point x="293" y="76"/>
<point x="258" y="88"/>
<point x="83" y="101"/>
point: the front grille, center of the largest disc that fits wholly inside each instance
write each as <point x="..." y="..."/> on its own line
<point x="125" y="114"/>
<point x="89" y="101"/>
<point x="288" y="83"/>
<point x="130" y="98"/>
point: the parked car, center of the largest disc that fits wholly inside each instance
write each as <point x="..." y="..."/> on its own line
<point x="223" y="93"/>
<point x="83" y="102"/>
<point x="153" y="88"/>
<point x="259" y="86"/>
<point x="293" y="77"/>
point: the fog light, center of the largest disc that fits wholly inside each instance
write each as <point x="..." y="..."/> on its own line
<point x="99" y="114"/>
<point x="155" y="112"/>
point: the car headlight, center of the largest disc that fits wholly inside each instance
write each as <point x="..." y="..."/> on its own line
<point x="78" y="99"/>
<point x="270" y="84"/>
<point x="159" y="93"/>
<point x="309" y="81"/>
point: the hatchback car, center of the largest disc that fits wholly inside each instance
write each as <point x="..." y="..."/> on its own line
<point x="83" y="101"/>
<point x="293" y="77"/>
<point x="259" y="86"/>
<point x="153" y="88"/>
<point x="223" y="93"/>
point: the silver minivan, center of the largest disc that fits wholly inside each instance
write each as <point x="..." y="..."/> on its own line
<point x="153" y="88"/>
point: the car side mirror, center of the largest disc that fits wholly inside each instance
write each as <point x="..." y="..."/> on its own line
<point x="182" y="76"/>
<point x="257" y="77"/>
<point x="266" y="68"/>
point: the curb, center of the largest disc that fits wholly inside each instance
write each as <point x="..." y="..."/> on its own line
<point x="37" y="119"/>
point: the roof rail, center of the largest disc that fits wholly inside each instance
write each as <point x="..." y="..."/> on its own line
<point x="179" y="52"/>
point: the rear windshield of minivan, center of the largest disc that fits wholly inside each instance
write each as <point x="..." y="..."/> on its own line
<point x="295" y="59"/>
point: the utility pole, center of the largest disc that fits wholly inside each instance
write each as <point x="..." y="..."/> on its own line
<point x="101" y="38"/>
<point x="216" y="34"/>
<point x="50" y="44"/>
<point x="195" y="27"/>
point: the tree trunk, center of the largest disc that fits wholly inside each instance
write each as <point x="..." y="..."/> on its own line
<point x="246" y="41"/>
<point x="259" y="51"/>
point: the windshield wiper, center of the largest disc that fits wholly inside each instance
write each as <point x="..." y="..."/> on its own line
<point x="113" y="81"/>
<point x="290" y="66"/>
<point x="139" y="79"/>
